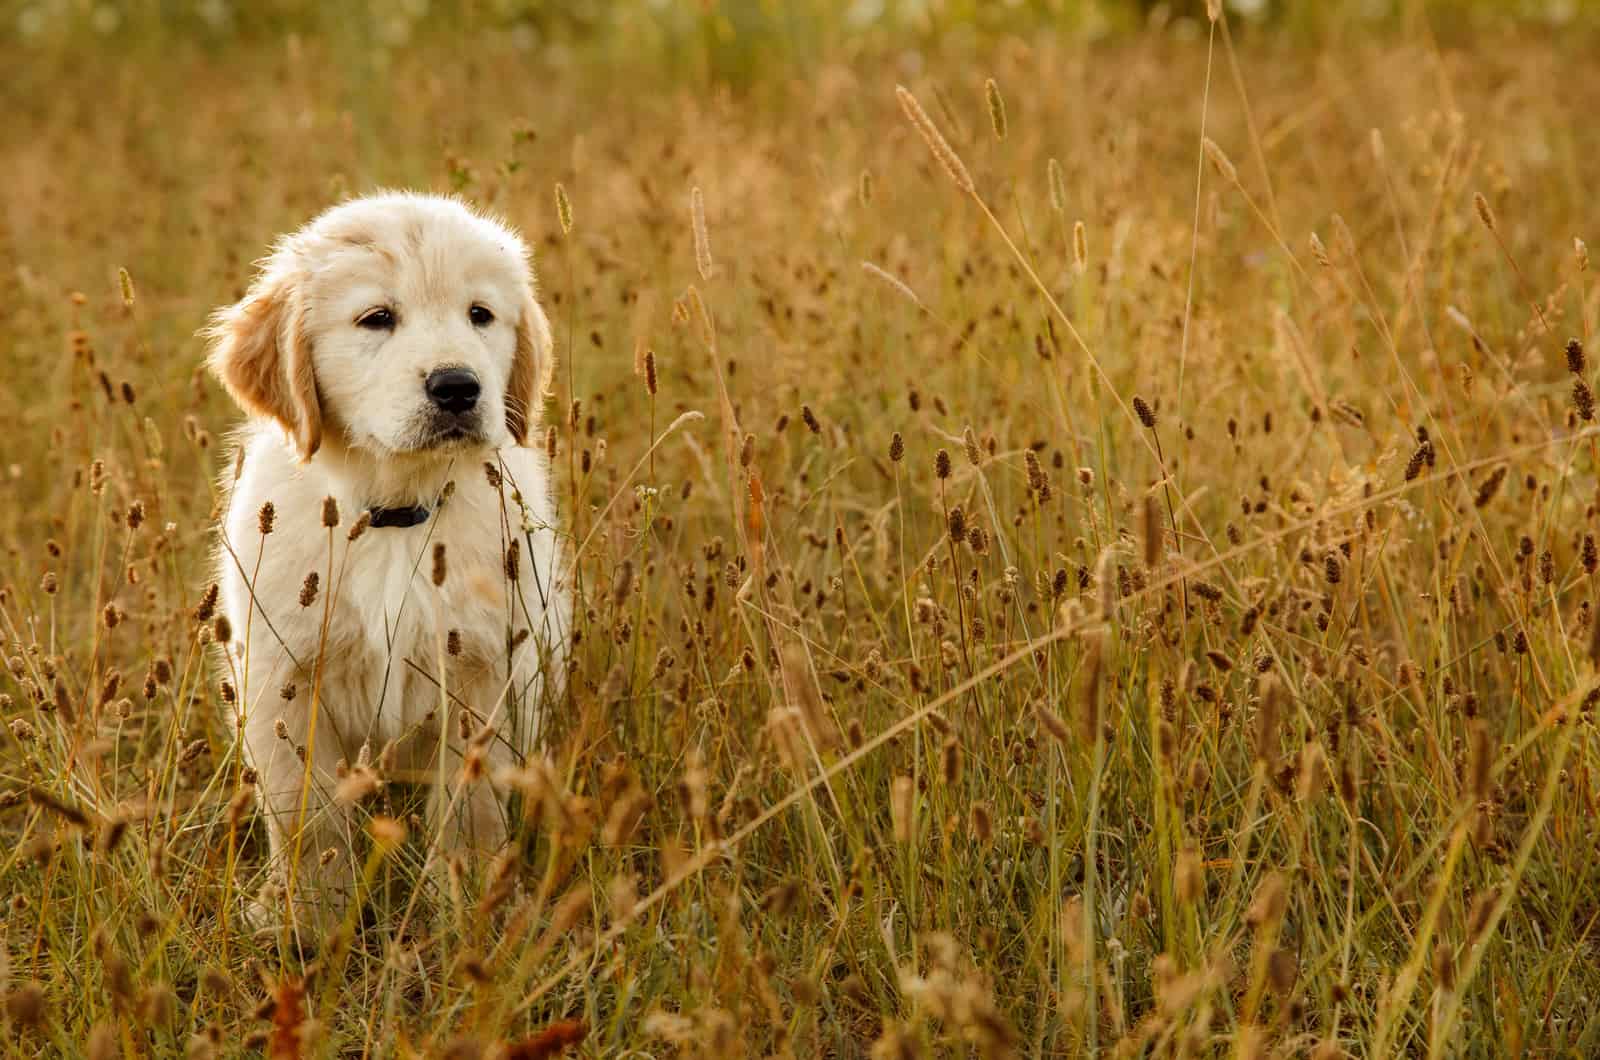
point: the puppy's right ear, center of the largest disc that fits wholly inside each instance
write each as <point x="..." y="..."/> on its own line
<point x="261" y="353"/>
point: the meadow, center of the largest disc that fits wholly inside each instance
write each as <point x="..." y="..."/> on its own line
<point x="1084" y="530"/>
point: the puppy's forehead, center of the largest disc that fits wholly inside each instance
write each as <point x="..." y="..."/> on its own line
<point x="430" y="247"/>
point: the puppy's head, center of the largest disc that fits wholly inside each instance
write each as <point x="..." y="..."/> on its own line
<point x="404" y="323"/>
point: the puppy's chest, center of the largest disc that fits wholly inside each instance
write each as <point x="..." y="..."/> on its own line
<point x="395" y="599"/>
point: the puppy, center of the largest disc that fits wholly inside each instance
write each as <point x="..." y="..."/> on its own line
<point x="388" y="561"/>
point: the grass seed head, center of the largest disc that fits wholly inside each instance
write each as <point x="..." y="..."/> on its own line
<point x="1269" y="715"/>
<point x="951" y="761"/>
<point x="894" y="281"/>
<point x="956" y="523"/>
<point x="1444" y="966"/>
<point x="969" y="442"/>
<point x="1073" y="937"/>
<point x="1270" y="903"/>
<point x="901" y="796"/>
<point x="1312" y="776"/>
<point x="702" y="239"/>
<point x="1036" y="474"/>
<point x="1485" y="214"/>
<point x="935" y="140"/>
<point x="1481" y="915"/>
<point x="1052" y="724"/>
<point x="981" y="819"/>
<point x="1480" y="760"/>
<point x="208" y="604"/>
<point x="997" y="108"/>
<point x="1319" y="251"/>
<point x="1105" y="580"/>
<point x="1418" y="460"/>
<point x="563" y="209"/>
<point x="1489" y="487"/>
<point x="1151" y="533"/>
<point x="25" y="1005"/>
<point x="1058" y="190"/>
<point x="1582" y="400"/>
<point x="1220" y="160"/>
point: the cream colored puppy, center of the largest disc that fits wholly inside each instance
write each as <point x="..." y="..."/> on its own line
<point x="386" y="353"/>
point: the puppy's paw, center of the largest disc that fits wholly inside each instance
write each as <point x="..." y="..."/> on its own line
<point x="315" y="914"/>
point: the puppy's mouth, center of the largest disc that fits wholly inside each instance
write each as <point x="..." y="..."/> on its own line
<point x="447" y="430"/>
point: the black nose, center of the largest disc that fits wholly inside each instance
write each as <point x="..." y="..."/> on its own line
<point x="453" y="389"/>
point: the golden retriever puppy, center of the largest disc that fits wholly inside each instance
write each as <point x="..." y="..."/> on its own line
<point x="388" y="561"/>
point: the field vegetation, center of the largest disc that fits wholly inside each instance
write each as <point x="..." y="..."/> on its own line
<point x="1084" y="519"/>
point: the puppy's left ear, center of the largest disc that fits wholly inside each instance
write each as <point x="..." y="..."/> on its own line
<point x="531" y="367"/>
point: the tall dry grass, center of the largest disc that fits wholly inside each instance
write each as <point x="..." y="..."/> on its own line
<point x="1136" y="595"/>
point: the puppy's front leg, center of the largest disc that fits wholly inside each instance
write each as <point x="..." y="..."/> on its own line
<point x="313" y="872"/>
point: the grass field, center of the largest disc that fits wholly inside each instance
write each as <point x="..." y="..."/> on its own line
<point x="1100" y="560"/>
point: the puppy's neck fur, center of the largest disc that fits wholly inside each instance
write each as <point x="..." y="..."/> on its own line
<point x="392" y="480"/>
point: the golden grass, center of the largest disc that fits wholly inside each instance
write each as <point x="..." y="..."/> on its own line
<point x="1120" y="579"/>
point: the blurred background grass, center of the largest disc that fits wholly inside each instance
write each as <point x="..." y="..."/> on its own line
<point x="735" y="42"/>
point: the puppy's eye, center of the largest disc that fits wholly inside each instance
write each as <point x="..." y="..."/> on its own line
<point x="379" y="319"/>
<point x="480" y="315"/>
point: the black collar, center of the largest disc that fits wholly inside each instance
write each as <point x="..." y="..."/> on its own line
<point x="415" y="515"/>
